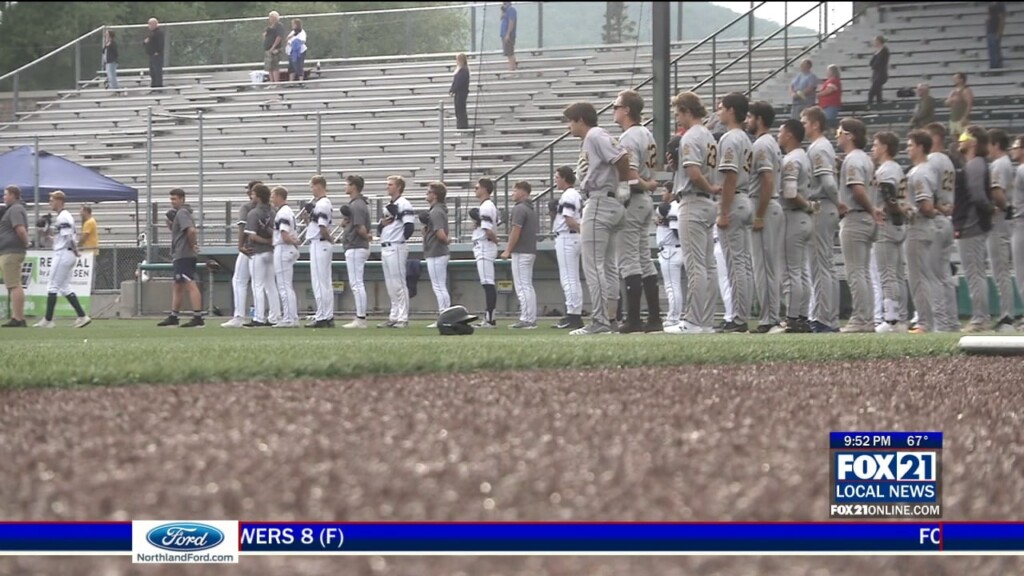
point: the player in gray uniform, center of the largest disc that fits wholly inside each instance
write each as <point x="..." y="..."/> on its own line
<point x="735" y="162"/>
<point x="999" y="241"/>
<point x="603" y="170"/>
<point x="695" y="187"/>
<point x="1018" y="222"/>
<point x="944" y="302"/>
<point x="892" y="233"/>
<point x="859" y="228"/>
<point x="634" y="242"/>
<point x="769" y="226"/>
<point x="824" y="191"/>
<point x="796" y="181"/>
<point x="923" y="186"/>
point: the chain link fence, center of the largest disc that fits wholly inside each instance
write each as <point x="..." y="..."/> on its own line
<point x="117" y="264"/>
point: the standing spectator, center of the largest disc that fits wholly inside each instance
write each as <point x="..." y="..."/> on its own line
<point x="90" y="238"/>
<point x="879" y="69"/>
<point x="509" y="27"/>
<point x="154" y="43"/>
<point x="272" y="38"/>
<point x="802" y="89"/>
<point x="960" y="101"/>
<point x="184" y="251"/>
<point x="13" y="246"/>
<point x="924" y="113"/>
<point x="110" y="60"/>
<point x="994" y="33"/>
<point x="460" y="91"/>
<point x="295" y="48"/>
<point x="830" y="97"/>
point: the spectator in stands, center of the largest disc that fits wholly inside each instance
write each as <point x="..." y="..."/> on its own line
<point x="879" y="69"/>
<point x="460" y="91"/>
<point x="924" y="113"/>
<point x="960" y="101"/>
<point x="110" y="59"/>
<point x="13" y="246"/>
<point x="272" y="38"/>
<point x="994" y="33"/>
<point x="90" y="240"/>
<point x="802" y="89"/>
<point x="830" y="97"/>
<point x="154" y="43"/>
<point x="509" y="27"/>
<point x="295" y="48"/>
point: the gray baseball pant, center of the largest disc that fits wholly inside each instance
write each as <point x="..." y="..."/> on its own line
<point x="824" y="285"/>
<point x="999" y="248"/>
<point x="972" y="258"/>
<point x="735" y="241"/>
<point x="602" y="221"/>
<point x="696" y="217"/>
<point x="768" y="246"/>
<point x="944" y="301"/>
<point x="799" y="230"/>
<point x="857" y="232"/>
<point x="889" y="254"/>
<point x="921" y="274"/>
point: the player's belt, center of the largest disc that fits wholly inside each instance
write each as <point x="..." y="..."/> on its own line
<point x="389" y="244"/>
<point x="567" y="232"/>
<point x="703" y="195"/>
<point x="608" y="194"/>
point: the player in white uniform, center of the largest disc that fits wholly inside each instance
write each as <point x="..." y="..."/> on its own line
<point x="944" y="302"/>
<point x="65" y="254"/>
<point x="395" y="228"/>
<point x="286" y="253"/>
<point x="670" y="256"/>
<point x="321" y="253"/>
<point x="566" y="227"/>
<point x="242" y="277"/>
<point x="485" y="246"/>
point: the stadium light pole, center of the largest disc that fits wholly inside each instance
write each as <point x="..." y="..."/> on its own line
<point x="661" y="34"/>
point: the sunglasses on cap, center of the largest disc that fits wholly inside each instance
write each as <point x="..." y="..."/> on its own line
<point x="965" y="137"/>
<point x="840" y="132"/>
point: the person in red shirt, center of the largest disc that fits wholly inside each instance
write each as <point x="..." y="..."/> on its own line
<point x="830" y="96"/>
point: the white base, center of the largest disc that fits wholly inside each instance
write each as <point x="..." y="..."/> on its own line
<point x="1002" y="345"/>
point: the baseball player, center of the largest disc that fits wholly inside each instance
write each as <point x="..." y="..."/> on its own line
<point x="735" y="164"/>
<point x="971" y="202"/>
<point x="892" y="189"/>
<point x="321" y="252"/>
<point x="695" y="187"/>
<point x="944" y="301"/>
<point x="286" y="253"/>
<point x="799" y="228"/>
<point x="522" y="248"/>
<point x="634" y="241"/>
<point x="259" y="230"/>
<point x="566" y="227"/>
<point x="859" y="228"/>
<point x="485" y="246"/>
<point x="65" y="254"/>
<point x="356" y="219"/>
<point x="397" y="226"/>
<point x="184" y="249"/>
<point x="242" y="277"/>
<point x="999" y="240"/>
<point x="435" y="244"/>
<point x="923" y="185"/>
<point x="670" y="256"/>
<point x="768" y="230"/>
<point x="604" y="169"/>
<point x="1018" y="222"/>
<point x="824" y="313"/>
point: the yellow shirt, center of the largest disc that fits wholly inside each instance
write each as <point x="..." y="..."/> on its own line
<point x="93" y="241"/>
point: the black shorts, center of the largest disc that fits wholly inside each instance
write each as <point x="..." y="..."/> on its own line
<point x="509" y="46"/>
<point x="185" y="270"/>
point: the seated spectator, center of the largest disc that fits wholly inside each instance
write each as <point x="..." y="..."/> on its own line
<point x="830" y="97"/>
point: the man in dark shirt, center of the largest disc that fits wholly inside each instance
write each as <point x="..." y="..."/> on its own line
<point x="435" y="244"/>
<point x="259" y="233"/>
<point x="522" y="247"/>
<point x="13" y="245"/>
<point x="994" y="33"/>
<point x="184" y="250"/>
<point x="154" y="43"/>
<point x="273" y="37"/>
<point x="971" y="201"/>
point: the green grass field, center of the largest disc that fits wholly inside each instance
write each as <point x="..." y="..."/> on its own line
<point x="116" y="352"/>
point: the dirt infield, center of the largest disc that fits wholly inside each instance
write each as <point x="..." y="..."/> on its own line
<point x="651" y="444"/>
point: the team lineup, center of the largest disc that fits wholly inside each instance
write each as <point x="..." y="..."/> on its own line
<point x="748" y="218"/>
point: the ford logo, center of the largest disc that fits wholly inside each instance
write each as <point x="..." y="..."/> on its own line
<point x="185" y="537"/>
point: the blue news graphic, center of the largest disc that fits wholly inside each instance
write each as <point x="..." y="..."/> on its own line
<point x="71" y="537"/>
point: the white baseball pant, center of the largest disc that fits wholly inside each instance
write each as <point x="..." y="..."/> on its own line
<point x="876" y="287"/>
<point x="522" y="277"/>
<point x="671" y="260"/>
<point x="567" y="251"/>
<point x="320" y="254"/>
<point x="355" y="260"/>
<point x="240" y="283"/>
<point x="485" y="252"/>
<point x="723" y="276"/>
<point x="285" y="256"/>
<point x="60" y="273"/>
<point x="264" y="289"/>
<point x="394" y="258"/>
<point x="437" y="268"/>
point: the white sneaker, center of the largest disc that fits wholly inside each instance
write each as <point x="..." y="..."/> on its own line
<point x="357" y="323"/>
<point x="44" y="323"/>
<point x="685" y="327"/>
<point x="592" y="328"/>
<point x="284" y="324"/>
<point x="235" y="322"/>
<point x="885" y="328"/>
<point x="82" y="322"/>
<point x="432" y="325"/>
<point x="778" y="329"/>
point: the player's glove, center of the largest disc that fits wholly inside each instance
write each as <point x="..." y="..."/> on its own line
<point x="392" y="209"/>
<point x="346" y="211"/>
<point x="622" y="192"/>
<point x="171" y="214"/>
<point x="474" y="215"/>
<point x="424" y="217"/>
<point x="309" y="207"/>
<point x="663" y="209"/>
<point x="553" y="206"/>
<point x="673" y="149"/>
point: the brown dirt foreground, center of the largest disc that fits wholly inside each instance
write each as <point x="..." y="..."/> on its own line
<point x="648" y="444"/>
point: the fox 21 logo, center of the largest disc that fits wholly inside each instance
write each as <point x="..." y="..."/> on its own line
<point x="891" y="466"/>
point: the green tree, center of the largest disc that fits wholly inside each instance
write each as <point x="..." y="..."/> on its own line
<point x="618" y="26"/>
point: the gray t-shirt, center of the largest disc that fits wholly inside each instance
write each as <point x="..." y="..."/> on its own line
<point x="260" y="221"/>
<point x="797" y="167"/>
<point x="767" y="157"/>
<point x="438" y="220"/>
<point x="735" y="156"/>
<point x="15" y="215"/>
<point x="696" y="148"/>
<point x="857" y="169"/>
<point x="1002" y="176"/>
<point x="823" y="163"/>
<point x="598" y="155"/>
<point x="180" y="246"/>
<point x="525" y="217"/>
<point x="974" y="172"/>
<point x="243" y="212"/>
<point x="360" y="217"/>
<point x="946" y="172"/>
<point x="643" y="152"/>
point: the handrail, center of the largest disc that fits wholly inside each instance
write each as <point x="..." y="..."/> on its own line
<point x="50" y="53"/>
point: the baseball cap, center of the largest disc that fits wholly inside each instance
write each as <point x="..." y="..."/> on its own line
<point x="965" y="136"/>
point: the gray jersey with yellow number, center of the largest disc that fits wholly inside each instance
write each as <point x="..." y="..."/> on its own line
<point x="735" y="155"/>
<point x="643" y="152"/>
<point x="857" y="169"/>
<point x="890" y="173"/>
<point x="767" y="156"/>
<point x="696" y="148"/>
<point x="596" y="169"/>
<point x="946" y="172"/>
